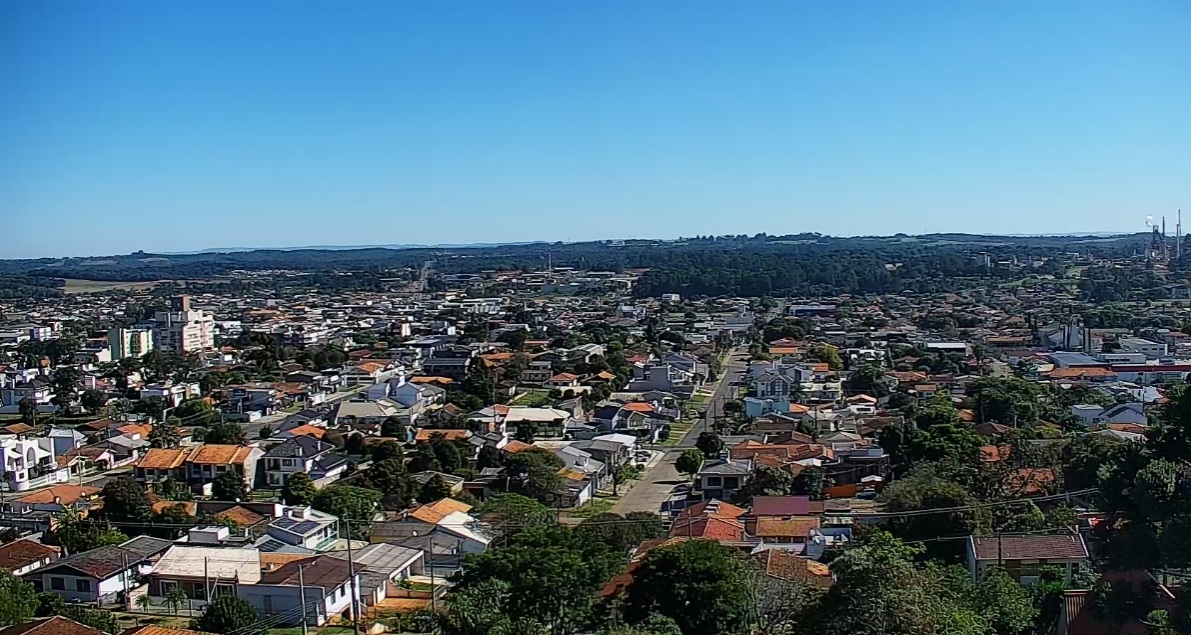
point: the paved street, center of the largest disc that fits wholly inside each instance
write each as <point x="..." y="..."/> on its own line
<point x="657" y="483"/>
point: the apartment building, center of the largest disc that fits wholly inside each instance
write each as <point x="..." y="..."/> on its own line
<point x="182" y="329"/>
<point x="133" y="342"/>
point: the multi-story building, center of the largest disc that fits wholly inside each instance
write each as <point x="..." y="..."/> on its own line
<point x="197" y="466"/>
<point x="133" y="342"/>
<point x="183" y="330"/>
<point x="30" y="463"/>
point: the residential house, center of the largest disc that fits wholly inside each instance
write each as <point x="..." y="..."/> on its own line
<point x="36" y="389"/>
<point x="305" y="454"/>
<point x="304" y="527"/>
<point x="325" y="584"/>
<point x="56" y="498"/>
<point x="1093" y="415"/>
<point x="99" y="575"/>
<point x="208" y="461"/>
<point x="781" y="564"/>
<point x="442" y="528"/>
<point x="24" y="556"/>
<point x="711" y="520"/>
<point x="29" y="463"/>
<point x="198" y="570"/>
<point x="580" y="461"/>
<point x="199" y="465"/>
<point x="171" y="393"/>
<point x="383" y="568"/>
<point x="719" y="478"/>
<point x="363" y="413"/>
<point x="1023" y="556"/>
<point x="252" y="400"/>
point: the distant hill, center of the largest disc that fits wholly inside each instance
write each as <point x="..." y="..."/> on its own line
<point x="610" y="255"/>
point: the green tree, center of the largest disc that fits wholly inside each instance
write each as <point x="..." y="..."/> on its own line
<point x="349" y="503"/>
<point x="534" y="473"/>
<point x="621" y="533"/>
<point x="28" y="409"/>
<point x="18" y="600"/>
<point x="226" y="434"/>
<point x="765" y="481"/>
<point x="226" y="614"/>
<point x="699" y="584"/>
<point x="809" y="482"/>
<point x="229" y="486"/>
<point x="385" y="451"/>
<point x="166" y="434"/>
<point x="925" y="488"/>
<point x="176" y="598"/>
<point x="509" y="514"/>
<point x="489" y="457"/>
<point x="92" y="400"/>
<point x="710" y="444"/>
<point x="393" y="428"/>
<point x="481" y="609"/>
<point x="867" y="379"/>
<point x="652" y="625"/>
<point x="689" y="461"/>
<point x="98" y="619"/>
<point x="552" y="576"/>
<point x="299" y="489"/>
<point x="125" y="501"/>
<point x="393" y="481"/>
<point x="827" y="355"/>
<point x="65" y="386"/>
<point x="77" y="536"/>
<point x="196" y="412"/>
<point x="436" y="488"/>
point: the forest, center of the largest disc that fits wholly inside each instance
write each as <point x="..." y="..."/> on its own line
<point x="802" y="264"/>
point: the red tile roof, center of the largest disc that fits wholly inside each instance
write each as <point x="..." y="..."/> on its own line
<point x="1030" y="547"/>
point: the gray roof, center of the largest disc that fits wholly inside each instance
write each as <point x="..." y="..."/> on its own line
<point x="382" y="558"/>
<point x="721" y="467"/>
<point x="147" y="546"/>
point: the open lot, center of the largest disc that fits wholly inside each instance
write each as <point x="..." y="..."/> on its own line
<point x="95" y="286"/>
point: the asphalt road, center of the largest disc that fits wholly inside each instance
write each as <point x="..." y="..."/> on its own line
<point x="658" y="483"/>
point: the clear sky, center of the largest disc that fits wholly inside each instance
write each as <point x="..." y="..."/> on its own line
<point x="174" y="126"/>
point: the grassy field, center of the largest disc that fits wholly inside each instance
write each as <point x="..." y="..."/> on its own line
<point x="594" y="507"/>
<point x="94" y="286"/>
<point x="533" y="398"/>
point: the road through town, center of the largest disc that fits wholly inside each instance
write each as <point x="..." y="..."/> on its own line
<point x="657" y="484"/>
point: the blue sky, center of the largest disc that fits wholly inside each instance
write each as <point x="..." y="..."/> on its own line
<point x="172" y="126"/>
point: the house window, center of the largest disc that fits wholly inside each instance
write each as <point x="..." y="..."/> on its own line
<point x="58" y="584"/>
<point x="82" y="586"/>
<point x="287" y="462"/>
<point x="713" y="481"/>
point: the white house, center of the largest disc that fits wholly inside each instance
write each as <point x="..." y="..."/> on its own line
<point x="304" y="527"/>
<point x="326" y="581"/>
<point x="30" y="463"/>
<point x="99" y="575"/>
<point x="1093" y="415"/>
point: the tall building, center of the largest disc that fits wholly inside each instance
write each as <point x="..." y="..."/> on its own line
<point x="133" y="342"/>
<point x="183" y="330"/>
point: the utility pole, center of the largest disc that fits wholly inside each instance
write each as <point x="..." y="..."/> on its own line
<point x="302" y="597"/>
<point x="206" y="579"/>
<point x="351" y="574"/>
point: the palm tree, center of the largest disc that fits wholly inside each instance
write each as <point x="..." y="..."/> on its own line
<point x="144" y="603"/>
<point x="175" y="598"/>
